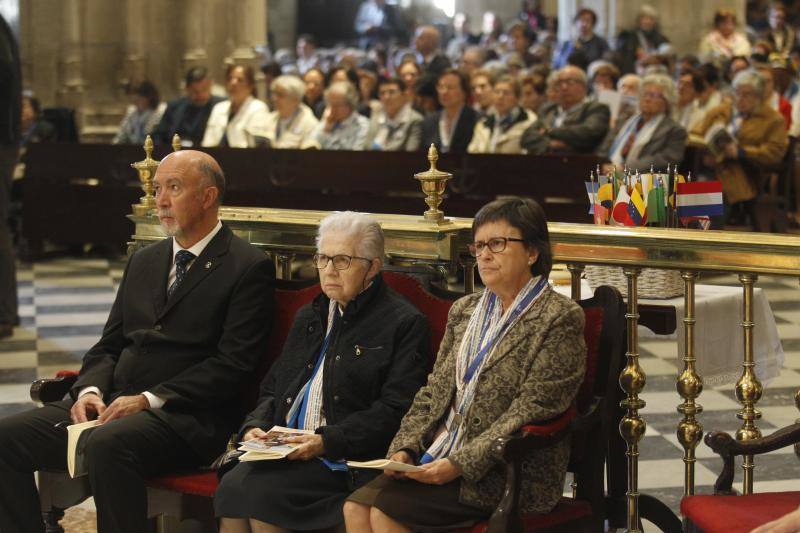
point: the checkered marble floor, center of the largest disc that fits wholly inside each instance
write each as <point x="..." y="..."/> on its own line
<point x="64" y="304"/>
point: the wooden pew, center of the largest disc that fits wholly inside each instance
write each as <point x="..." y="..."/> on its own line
<point x="75" y="193"/>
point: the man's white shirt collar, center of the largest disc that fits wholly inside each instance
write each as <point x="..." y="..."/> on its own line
<point x="199" y="246"/>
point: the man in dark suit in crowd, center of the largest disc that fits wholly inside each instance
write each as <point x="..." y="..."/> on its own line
<point x="187" y="116"/>
<point x="186" y="330"/>
<point x="429" y="56"/>
<point x="10" y="113"/>
<point x="450" y="128"/>
<point x="574" y="124"/>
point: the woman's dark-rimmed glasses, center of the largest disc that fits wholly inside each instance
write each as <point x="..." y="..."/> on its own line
<point x="495" y="245"/>
<point x="340" y="261"/>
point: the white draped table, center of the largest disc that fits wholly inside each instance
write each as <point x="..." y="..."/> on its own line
<point x="719" y="339"/>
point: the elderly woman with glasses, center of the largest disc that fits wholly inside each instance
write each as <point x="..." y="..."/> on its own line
<point x="292" y="124"/>
<point x="649" y="138"/>
<point x="349" y="369"/>
<point x="511" y="355"/>
<point x="750" y="138"/>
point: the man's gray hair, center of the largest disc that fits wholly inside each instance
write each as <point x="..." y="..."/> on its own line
<point x="292" y="85"/>
<point x="666" y="84"/>
<point x="363" y="229"/>
<point x="751" y="78"/>
<point x="346" y="89"/>
<point x="579" y="73"/>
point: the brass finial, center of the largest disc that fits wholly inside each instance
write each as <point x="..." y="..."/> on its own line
<point x="176" y="143"/>
<point x="433" y="182"/>
<point x="147" y="170"/>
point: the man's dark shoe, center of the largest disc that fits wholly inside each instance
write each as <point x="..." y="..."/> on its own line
<point x="6" y="330"/>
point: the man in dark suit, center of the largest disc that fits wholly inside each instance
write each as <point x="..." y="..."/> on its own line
<point x="429" y="56"/>
<point x="10" y="105"/>
<point x="450" y="128"/>
<point x="574" y="124"/>
<point x="187" y="116"/>
<point x="186" y="330"/>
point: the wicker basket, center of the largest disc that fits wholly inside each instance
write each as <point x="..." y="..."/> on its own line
<point x="652" y="282"/>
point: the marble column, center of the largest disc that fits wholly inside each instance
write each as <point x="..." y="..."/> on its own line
<point x="249" y="32"/>
<point x="134" y="63"/>
<point x="72" y="83"/>
<point x="194" y="34"/>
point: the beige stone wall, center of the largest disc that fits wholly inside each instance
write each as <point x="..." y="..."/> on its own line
<point x="81" y="53"/>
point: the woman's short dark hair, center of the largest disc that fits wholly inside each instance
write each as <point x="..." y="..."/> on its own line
<point x="383" y="80"/>
<point x="148" y="91"/>
<point x="463" y="81"/>
<point x="586" y="11"/>
<point x="248" y="73"/>
<point x="528" y="217"/>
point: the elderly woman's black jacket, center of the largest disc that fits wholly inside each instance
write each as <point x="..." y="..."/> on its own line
<point x="377" y="360"/>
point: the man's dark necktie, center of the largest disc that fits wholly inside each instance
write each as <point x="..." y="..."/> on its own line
<point x="182" y="260"/>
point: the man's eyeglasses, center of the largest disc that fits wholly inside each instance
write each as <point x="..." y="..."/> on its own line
<point x="340" y="261"/>
<point x="495" y="244"/>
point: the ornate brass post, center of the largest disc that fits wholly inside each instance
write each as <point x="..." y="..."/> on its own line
<point x="176" y="143"/>
<point x="434" y="182"/>
<point x="632" y="380"/>
<point x="284" y="264"/>
<point x="748" y="388"/>
<point x="689" y="386"/>
<point x="575" y="271"/>
<point x="147" y="170"/>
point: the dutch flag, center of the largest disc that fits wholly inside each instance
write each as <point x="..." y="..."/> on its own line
<point x="699" y="198"/>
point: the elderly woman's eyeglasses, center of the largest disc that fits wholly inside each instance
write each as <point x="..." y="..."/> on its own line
<point x="340" y="261"/>
<point x="495" y="244"/>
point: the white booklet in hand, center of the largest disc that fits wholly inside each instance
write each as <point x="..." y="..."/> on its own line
<point x="385" y="464"/>
<point x="271" y="446"/>
<point x="77" y="435"/>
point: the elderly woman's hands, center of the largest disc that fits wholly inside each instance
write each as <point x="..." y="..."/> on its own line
<point x="253" y="433"/>
<point x="401" y="457"/>
<point x="438" y="472"/>
<point x="310" y="446"/>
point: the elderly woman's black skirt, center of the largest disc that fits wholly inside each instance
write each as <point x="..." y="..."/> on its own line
<point x="420" y="506"/>
<point x="295" y="495"/>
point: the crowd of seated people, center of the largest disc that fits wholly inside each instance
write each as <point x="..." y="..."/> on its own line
<point x="576" y="96"/>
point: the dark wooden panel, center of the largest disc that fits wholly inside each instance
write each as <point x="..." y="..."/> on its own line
<point x="75" y="193"/>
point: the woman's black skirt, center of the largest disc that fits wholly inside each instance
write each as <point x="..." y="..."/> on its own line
<point x="420" y="506"/>
<point x="295" y="495"/>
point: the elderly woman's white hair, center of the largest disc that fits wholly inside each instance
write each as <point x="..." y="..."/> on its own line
<point x="361" y="228"/>
<point x="626" y="78"/>
<point x="751" y="78"/>
<point x="666" y="84"/>
<point x="346" y="89"/>
<point x="291" y="85"/>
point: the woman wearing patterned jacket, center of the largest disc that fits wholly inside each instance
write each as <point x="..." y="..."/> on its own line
<point x="511" y="355"/>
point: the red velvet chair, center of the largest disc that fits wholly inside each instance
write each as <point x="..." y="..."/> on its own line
<point x="725" y="510"/>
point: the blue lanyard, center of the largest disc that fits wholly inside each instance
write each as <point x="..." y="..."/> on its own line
<point x="299" y="418"/>
<point x="483" y="352"/>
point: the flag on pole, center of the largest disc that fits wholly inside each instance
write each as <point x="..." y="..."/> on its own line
<point x="637" y="209"/>
<point x="620" y="213"/>
<point x="656" y="207"/>
<point x="699" y="199"/>
<point x="591" y="192"/>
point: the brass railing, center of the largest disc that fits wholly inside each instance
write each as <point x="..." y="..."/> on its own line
<point x="440" y="243"/>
